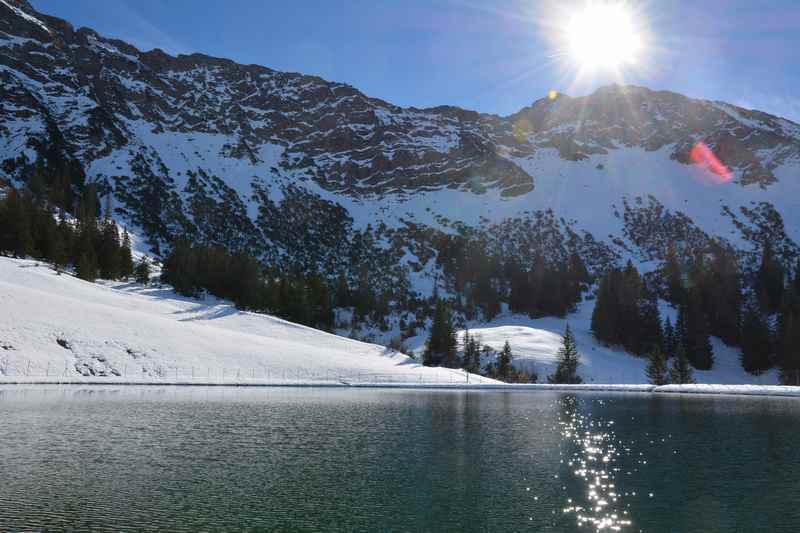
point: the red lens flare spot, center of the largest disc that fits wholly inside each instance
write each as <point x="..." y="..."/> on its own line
<point x="704" y="157"/>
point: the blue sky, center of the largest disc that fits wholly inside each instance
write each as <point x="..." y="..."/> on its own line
<point x="492" y="57"/>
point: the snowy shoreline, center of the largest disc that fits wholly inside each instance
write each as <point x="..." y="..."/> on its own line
<point x="727" y="390"/>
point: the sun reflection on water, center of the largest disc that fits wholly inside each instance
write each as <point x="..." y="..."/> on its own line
<point x="593" y="462"/>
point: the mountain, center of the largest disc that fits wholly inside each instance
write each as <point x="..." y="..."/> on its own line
<point x="392" y="204"/>
<point x="146" y="124"/>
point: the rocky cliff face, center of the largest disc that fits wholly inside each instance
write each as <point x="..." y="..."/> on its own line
<point x="202" y="144"/>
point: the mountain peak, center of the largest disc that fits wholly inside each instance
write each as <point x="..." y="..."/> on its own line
<point x="19" y="4"/>
<point x="23" y="9"/>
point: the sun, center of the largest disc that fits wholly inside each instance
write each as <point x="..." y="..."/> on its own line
<point x="603" y="36"/>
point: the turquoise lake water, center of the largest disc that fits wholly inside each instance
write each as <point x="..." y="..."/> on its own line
<point x="265" y="459"/>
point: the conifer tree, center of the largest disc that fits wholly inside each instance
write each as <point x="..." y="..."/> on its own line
<point x="108" y="253"/>
<point x="504" y="362"/>
<point x="86" y="267"/>
<point x="681" y="330"/>
<point x="723" y="295"/>
<point x="125" y="256"/>
<point x="669" y="342"/>
<point x="342" y="292"/>
<point x="604" y="319"/>
<point x="472" y="353"/>
<point x="788" y="344"/>
<point x="656" y="370"/>
<point x="770" y="280"/>
<point x="59" y="256"/>
<point x="15" y="231"/>
<point x="756" y="340"/>
<point x="673" y="276"/>
<point x="568" y="361"/>
<point x="681" y="371"/>
<point x="796" y="280"/>
<point x="142" y="271"/>
<point x="650" y="333"/>
<point x="440" y="348"/>
<point x="692" y="332"/>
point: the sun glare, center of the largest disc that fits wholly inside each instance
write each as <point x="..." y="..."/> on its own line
<point x="603" y="36"/>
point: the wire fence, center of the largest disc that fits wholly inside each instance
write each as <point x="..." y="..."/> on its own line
<point x="31" y="370"/>
<point x="12" y="368"/>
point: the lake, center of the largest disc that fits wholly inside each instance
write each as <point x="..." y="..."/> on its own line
<point x="281" y="459"/>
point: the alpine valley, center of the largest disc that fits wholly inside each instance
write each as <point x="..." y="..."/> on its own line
<point x="516" y="225"/>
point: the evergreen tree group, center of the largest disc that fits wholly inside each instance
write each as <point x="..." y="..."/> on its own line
<point x="545" y="290"/>
<point x="757" y="312"/>
<point x="626" y="313"/>
<point x="240" y="278"/>
<point x="93" y="247"/>
<point x="787" y="333"/>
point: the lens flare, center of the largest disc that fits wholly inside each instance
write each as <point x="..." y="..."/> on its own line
<point x="716" y="171"/>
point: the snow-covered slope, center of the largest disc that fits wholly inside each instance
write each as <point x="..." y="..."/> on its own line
<point x="59" y="326"/>
<point x="55" y="326"/>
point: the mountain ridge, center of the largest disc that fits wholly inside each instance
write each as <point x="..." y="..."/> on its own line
<point x="164" y="135"/>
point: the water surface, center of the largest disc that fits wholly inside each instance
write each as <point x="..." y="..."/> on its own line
<point x="194" y="458"/>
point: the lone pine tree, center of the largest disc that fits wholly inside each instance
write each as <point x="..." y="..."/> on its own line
<point x="568" y="361"/>
<point x="440" y="349"/>
<point x="504" y="362"/>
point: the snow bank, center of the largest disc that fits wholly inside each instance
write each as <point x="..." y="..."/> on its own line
<point x="62" y="328"/>
<point x="738" y="390"/>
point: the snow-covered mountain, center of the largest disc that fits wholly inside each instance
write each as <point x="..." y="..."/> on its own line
<point x="146" y="124"/>
<point x="313" y="176"/>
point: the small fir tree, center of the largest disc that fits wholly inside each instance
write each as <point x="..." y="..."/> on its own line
<point x="656" y="370"/>
<point x="568" y="361"/>
<point x="86" y="268"/>
<point x="504" y="362"/>
<point x="142" y="271"/>
<point x="125" y="256"/>
<point x="440" y="348"/>
<point x="669" y="342"/>
<point x="681" y="371"/>
<point x="471" y="360"/>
